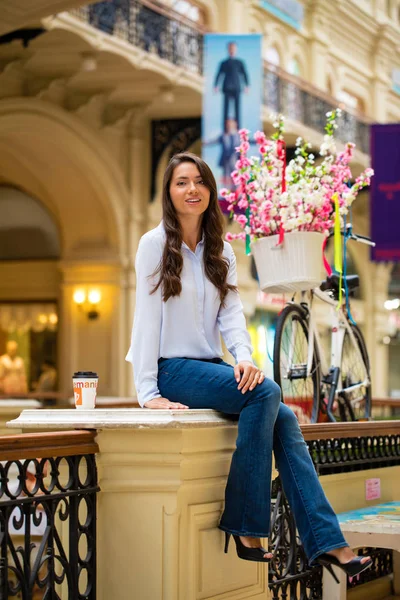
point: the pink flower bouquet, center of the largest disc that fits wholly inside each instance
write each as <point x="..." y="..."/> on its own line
<point x="300" y="197"/>
<point x="291" y="208"/>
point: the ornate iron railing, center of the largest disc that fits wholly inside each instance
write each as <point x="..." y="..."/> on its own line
<point x="334" y="449"/>
<point x="48" y="516"/>
<point x="375" y="445"/>
<point x="290" y="576"/>
<point x="151" y="27"/>
<point x="298" y="100"/>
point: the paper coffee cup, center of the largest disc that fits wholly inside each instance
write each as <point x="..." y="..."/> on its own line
<point x="85" y="389"/>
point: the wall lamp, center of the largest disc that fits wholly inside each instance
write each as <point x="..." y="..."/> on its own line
<point x="88" y="302"/>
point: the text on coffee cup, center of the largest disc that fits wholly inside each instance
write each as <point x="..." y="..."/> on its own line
<point x="85" y="384"/>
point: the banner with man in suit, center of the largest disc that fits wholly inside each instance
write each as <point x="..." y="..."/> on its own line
<point x="232" y="99"/>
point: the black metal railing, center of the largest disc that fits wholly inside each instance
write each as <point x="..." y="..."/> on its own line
<point x="48" y="516"/>
<point x="296" y="99"/>
<point x="334" y="449"/>
<point x="150" y="27"/>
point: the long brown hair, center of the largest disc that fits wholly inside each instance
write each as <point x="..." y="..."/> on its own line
<point x="216" y="266"/>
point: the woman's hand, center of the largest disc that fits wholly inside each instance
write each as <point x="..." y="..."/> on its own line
<point x="250" y="378"/>
<point x="164" y="403"/>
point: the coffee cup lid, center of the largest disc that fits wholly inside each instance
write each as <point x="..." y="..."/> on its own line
<point x="84" y="375"/>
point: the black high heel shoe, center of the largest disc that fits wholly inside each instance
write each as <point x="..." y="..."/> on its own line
<point x="256" y="554"/>
<point x="352" y="568"/>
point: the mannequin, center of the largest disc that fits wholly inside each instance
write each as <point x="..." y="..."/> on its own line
<point x="12" y="371"/>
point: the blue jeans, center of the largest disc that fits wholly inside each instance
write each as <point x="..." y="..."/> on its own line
<point x="265" y="424"/>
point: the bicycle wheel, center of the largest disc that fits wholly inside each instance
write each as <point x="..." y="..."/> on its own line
<point x="354" y="405"/>
<point x="290" y="361"/>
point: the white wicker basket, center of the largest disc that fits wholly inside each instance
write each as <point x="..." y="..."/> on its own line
<point x="294" y="266"/>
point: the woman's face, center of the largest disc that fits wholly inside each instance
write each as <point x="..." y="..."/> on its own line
<point x="188" y="192"/>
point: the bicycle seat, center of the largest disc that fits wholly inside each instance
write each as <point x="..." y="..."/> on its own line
<point x="332" y="282"/>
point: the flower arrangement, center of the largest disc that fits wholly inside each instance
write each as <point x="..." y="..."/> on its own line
<point x="271" y="198"/>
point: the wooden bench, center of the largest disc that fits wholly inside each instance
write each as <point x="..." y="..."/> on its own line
<point x="374" y="526"/>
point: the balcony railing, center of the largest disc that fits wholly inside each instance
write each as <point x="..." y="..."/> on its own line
<point x="48" y="516"/>
<point x="299" y="100"/>
<point x="151" y="27"/>
<point x="155" y="28"/>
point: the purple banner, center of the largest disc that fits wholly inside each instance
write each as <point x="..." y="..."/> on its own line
<point x="385" y="192"/>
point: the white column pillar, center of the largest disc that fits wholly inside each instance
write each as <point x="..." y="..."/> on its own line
<point x="139" y="182"/>
<point x="233" y="16"/>
<point x="382" y="64"/>
<point x="318" y="19"/>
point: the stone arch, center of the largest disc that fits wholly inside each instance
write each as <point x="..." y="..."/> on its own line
<point x="298" y="52"/>
<point x="273" y="37"/>
<point x="27" y="230"/>
<point x="211" y="11"/>
<point x="51" y="154"/>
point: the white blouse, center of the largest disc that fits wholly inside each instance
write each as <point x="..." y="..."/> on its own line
<point x="186" y="326"/>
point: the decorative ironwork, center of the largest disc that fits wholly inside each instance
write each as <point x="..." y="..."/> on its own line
<point x="175" y="134"/>
<point x="382" y="565"/>
<point x="290" y="576"/>
<point x="339" y="455"/>
<point x="148" y="27"/>
<point x="288" y="97"/>
<point x="48" y="528"/>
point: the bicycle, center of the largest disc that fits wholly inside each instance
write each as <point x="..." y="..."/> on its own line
<point x="342" y="389"/>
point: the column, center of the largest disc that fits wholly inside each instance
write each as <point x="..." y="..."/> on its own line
<point x="139" y="179"/>
<point x="318" y="19"/>
<point x="233" y="16"/>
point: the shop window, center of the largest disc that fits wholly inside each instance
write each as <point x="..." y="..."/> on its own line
<point x="272" y="56"/>
<point x="27" y="230"/>
<point x="28" y="348"/>
<point x="190" y="10"/>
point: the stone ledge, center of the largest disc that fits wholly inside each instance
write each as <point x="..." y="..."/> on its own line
<point x="13" y="406"/>
<point x="119" y="418"/>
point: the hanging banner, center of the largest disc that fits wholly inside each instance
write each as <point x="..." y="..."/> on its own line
<point x="231" y="101"/>
<point x="385" y="192"/>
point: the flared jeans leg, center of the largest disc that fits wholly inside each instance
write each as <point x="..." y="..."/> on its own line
<point x="265" y="424"/>
<point x="212" y="384"/>
<point x="315" y="519"/>
<point x="248" y="490"/>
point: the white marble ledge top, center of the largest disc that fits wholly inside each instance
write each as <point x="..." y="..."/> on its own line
<point x="119" y="418"/>
<point x="13" y="403"/>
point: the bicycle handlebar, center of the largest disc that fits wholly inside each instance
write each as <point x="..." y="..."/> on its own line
<point x="362" y="239"/>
